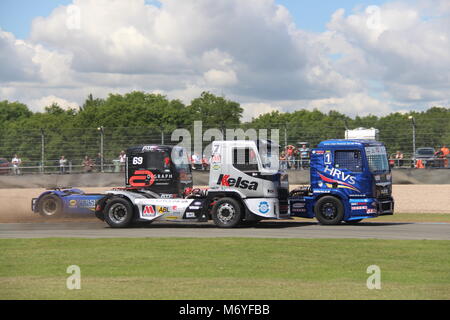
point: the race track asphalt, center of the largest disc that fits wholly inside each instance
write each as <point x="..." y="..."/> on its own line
<point x="276" y="229"/>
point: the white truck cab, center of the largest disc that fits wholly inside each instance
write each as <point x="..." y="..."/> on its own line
<point x="248" y="171"/>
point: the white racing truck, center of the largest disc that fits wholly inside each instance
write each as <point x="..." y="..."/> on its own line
<point x="245" y="186"/>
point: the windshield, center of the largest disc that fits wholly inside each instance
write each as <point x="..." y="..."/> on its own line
<point x="269" y="159"/>
<point x="180" y="159"/>
<point x="377" y="158"/>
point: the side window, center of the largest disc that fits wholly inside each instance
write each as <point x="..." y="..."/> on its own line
<point x="157" y="161"/>
<point x="350" y="160"/>
<point x="244" y="159"/>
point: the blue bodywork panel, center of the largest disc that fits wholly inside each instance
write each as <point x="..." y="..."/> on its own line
<point x="342" y="168"/>
<point x="74" y="201"/>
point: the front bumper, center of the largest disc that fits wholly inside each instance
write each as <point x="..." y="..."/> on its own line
<point x="370" y="208"/>
<point x="385" y="206"/>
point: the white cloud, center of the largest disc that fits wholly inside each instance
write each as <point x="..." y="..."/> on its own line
<point x="41" y="103"/>
<point x="374" y="60"/>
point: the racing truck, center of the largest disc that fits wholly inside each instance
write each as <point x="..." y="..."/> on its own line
<point x="161" y="171"/>
<point x="350" y="181"/>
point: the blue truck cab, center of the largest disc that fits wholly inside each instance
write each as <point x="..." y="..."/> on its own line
<point x="350" y="180"/>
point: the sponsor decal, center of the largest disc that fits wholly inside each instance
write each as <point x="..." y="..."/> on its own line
<point x="148" y="148"/>
<point x="190" y="215"/>
<point x="83" y="203"/>
<point x="346" y="181"/>
<point x="371" y="210"/>
<point x="142" y="178"/>
<point x="148" y="211"/>
<point x="225" y="180"/>
<point x="318" y="151"/>
<point x="162" y="209"/>
<point x="359" y="207"/>
<point x="264" y="207"/>
<point x="298" y="205"/>
<point x="359" y="203"/>
<point x="216" y="158"/>
<point x="216" y="167"/>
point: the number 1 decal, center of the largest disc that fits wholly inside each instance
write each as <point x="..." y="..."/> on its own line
<point x="327" y="157"/>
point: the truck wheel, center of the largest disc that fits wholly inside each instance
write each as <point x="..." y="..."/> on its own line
<point x="227" y="213"/>
<point x="50" y="206"/>
<point x="329" y="210"/>
<point x="118" y="213"/>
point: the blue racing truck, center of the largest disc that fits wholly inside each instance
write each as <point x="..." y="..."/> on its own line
<point x="350" y="180"/>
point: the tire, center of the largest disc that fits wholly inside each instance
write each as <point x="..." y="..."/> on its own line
<point x="118" y="213"/>
<point x="50" y="206"/>
<point x="329" y="210"/>
<point x="227" y="213"/>
<point x="353" y="221"/>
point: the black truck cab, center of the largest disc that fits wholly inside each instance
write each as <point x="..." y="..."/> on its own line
<point x="162" y="169"/>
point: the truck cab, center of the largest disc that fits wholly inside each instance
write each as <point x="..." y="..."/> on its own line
<point x="350" y="181"/>
<point x="248" y="171"/>
<point x="164" y="170"/>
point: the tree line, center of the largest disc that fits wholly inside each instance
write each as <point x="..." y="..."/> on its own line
<point x="139" y="117"/>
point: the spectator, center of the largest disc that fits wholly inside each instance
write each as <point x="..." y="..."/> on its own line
<point x="443" y="154"/>
<point x="122" y="159"/>
<point x="420" y="164"/>
<point x="283" y="164"/>
<point x="87" y="164"/>
<point x="290" y="152"/>
<point x="399" y="158"/>
<point x="98" y="162"/>
<point x="16" y="162"/>
<point x="62" y="165"/>
<point x="304" y="156"/>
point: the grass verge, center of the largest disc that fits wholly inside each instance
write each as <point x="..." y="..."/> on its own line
<point x="224" y="268"/>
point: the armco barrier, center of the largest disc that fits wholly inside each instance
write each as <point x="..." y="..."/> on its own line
<point x="400" y="176"/>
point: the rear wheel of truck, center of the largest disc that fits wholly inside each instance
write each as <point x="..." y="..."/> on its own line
<point x="118" y="213"/>
<point x="50" y="206"/>
<point x="329" y="210"/>
<point x="227" y="213"/>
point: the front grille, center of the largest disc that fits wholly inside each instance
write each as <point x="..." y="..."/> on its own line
<point x="383" y="191"/>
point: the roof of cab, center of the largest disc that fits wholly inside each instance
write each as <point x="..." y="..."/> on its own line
<point x="349" y="142"/>
<point x="148" y="148"/>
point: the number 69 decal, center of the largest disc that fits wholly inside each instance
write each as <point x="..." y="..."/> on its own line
<point x="137" y="160"/>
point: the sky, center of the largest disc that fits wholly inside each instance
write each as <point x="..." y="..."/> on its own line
<point x="358" y="57"/>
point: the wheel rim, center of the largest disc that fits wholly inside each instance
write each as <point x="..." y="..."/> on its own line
<point x="50" y="207"/>
<point x="225" y="213"/>
<point x="329" y="211"/>
<point x="117" y="213"/>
